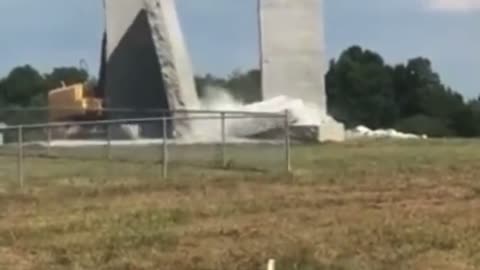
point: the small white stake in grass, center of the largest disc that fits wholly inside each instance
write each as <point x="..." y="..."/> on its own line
<point x="271" y="264"/>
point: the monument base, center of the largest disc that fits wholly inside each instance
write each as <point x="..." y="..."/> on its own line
<point x="327" y="132"/>
<point x="331" y="132"/>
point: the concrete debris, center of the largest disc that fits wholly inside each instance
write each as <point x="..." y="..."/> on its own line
<point x="306" y="120"/>
<point x="364" y="132"/>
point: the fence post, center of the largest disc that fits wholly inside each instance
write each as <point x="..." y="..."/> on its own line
<point x="165" y="149"/>
<point x="109" y="143"/>
<point x="288" y="162"/>
<point x="224" y="140"/>
<point x="49" y="140"/>
<point x="20" y="172"/>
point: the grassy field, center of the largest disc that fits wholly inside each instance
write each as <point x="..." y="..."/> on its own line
<point x="364" y="205"/>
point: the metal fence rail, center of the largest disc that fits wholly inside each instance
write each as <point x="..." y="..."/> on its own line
<point x="34" y="147"/>
<point x="41" y="115"/>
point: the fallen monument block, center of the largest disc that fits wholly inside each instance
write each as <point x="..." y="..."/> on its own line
<point x="304" y="120"/>
<point x="313" y="134"/>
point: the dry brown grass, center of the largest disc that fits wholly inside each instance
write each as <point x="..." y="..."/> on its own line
<point x="360" y="206"/>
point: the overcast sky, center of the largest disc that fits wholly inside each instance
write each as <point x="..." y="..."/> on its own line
<point x="222" y="34"/>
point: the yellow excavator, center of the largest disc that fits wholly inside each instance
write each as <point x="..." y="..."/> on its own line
<point x="74" y="103"/>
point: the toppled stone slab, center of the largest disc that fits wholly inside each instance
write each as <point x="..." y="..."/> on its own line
<point x="307" y="134"/>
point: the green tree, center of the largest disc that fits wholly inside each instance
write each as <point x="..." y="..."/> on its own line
<point x="245" y="86"/>
<point x="419" y="90"/>
<point x="67" y="75"/>
<point x="360" y="89"/>
<point x="206" y="81"/>
<point x="465" y="123"/>
<point x="21" y="85"/>
<point x="422" y="124"/>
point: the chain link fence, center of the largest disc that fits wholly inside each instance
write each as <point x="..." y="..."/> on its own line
<point x="106" y="150"/>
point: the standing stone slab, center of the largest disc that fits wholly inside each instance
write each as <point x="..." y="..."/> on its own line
<point x="293" y="50"/>
<point x="293" y="58"/>
<point x="146" y="63"/>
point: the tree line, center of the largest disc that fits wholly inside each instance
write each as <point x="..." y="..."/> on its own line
<point x="362" y="90"/>
<point x="26" y="87"/>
